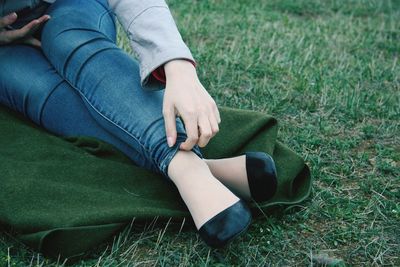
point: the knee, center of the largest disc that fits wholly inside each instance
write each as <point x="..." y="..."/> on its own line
<point x="67" y="32"/>
<point x="70" y="28"/>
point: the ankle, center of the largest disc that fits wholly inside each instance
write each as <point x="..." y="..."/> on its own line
<point x="184" y="163"/>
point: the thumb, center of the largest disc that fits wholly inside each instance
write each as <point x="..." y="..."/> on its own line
<point x="170" y="124"/>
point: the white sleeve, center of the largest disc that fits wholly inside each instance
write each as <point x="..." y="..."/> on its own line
<point x="152" y="32"/>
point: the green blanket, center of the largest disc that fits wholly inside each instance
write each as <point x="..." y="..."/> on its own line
<point x="65" y="195"/>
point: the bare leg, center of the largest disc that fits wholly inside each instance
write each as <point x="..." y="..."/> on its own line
<point x="204" y="195"/>
<point x="232" y="173"/>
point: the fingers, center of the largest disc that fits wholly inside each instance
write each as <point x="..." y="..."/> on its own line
<point x="201" y="127"/>
<point x="190" y="120"/>
<point x="11" y="36"/>
<point x="214" y="124"/>
<point x="214" y="118"/>
<point x="8" y="20"/>
<point x="205" y="130"/>
<point x="32" y="41"/>
<point x="25" y="31"/>
<point x="208" y="126"/>
<point x="198" y="111"/>
<point x="170" y="124"/>
<point x="216" y="112"/>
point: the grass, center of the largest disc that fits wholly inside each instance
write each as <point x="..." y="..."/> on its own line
<point x="329" y="71"/>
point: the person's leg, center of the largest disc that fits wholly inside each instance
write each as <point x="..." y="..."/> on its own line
<point x="65" y="105"/>
<point x="26" y="80"/>
<point x="43" y="96"/>
<point x="65" y="114"/>
<point x="32" y="91"/>
<point x="79" y="41"/>
<point x="31" y="86"/>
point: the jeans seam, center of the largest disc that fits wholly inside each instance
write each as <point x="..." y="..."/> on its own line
<point x="114" y="123"/>
<point x="82" y="29"/>
<point x="106" y="6"/>
<point x="45" y="101"/>
<point x="109" y="12"/>
<point x="103" y="115"/>
<point x="87" y="100"/>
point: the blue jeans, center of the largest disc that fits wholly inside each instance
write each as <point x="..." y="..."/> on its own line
<point x="81" y="83"/>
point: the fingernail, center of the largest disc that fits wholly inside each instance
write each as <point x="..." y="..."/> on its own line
<point x="12" y="15"/>
<point x="169" y="140"/>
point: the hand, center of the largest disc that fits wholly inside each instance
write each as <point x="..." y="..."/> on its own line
<point x="23" y="35"/>
<point x="186" y="97"/>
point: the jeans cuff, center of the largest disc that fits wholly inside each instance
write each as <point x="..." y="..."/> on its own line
<point x="173" y="150"/>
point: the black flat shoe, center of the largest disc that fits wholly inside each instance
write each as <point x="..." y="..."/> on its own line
<point x="226" y="225"/>
<point x="261" y="175"/>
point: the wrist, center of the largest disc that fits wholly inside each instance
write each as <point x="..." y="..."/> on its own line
<point x="179" y="67"/>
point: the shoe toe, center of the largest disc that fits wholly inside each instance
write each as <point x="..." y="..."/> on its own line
<point x="226" y="225"/>
<point x="262" y="176"/>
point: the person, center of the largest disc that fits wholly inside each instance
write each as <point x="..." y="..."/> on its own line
<point x="61" y="68"/>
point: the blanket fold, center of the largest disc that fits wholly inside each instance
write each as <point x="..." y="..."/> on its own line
<point x="65" y="195"/>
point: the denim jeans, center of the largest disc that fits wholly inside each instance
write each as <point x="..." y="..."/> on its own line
<point x="81" y="83"/>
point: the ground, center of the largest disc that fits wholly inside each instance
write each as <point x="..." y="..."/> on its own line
<point x="329" y="71"/>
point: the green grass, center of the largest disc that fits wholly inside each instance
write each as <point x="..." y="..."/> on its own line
<point x="329" y="71"/>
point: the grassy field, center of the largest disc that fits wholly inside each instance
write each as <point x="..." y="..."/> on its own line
<point x="329" y="71"/>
